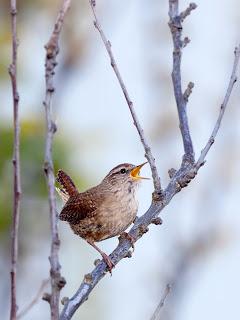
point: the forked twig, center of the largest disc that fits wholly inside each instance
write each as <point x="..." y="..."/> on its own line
<point x="15" y="161"/>
<point x="52" y="50"/>
<point x="148" y="152"/>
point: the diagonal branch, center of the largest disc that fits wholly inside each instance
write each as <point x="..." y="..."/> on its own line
<point x="157" y="312"/>
<point x="232" y="81"/>
<point x="148" y="152"/>
<point x="15" y="161"/>
<point x="175" y="25"/>
<point x="187" y="12"/>
<point x="52" y="50"/>
<point x="180" y="180"/>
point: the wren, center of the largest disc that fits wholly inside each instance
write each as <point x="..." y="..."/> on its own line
<point x="104" y="211"/>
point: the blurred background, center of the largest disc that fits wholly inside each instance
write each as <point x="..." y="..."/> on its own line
<point x="197" y="248"/>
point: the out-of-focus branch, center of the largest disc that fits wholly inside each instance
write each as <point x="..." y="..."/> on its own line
<point x="15" y="161"/>
<point x="232" y="81"/>
<point x="175" y="25"/>
<point x="156" y="315"/>
<point x="34" y="300"/>
<point x="148" y="152"/>
<point x="203" y="244"/>
<point x="52" y="50"/>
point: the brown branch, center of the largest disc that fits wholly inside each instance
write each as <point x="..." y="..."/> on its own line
<point x="175" y="25"/>
<point x="156" y="315"/>
<point x="232" y="81"/>
<point x="148" y="152"/>
<point x="34" y="300"/>
<point x="52" y="50"/>
<point x="15" y="161"/>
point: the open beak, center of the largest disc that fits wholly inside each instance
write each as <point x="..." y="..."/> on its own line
<point x="135" y="172"/>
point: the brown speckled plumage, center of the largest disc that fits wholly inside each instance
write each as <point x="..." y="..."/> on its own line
<point x="103" y="211"/>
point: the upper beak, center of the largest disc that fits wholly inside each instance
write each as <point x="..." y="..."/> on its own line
<point x="135" y="172"/>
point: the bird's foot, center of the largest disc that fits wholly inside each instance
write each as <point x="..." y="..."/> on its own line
<point x="105" y="257"/>
<point x="108" y="262"/>
<point x="129" y="237"/>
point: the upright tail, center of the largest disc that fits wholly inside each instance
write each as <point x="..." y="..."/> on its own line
<point x="67" y="184"/>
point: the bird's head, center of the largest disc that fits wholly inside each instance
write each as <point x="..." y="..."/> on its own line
<point x="125" y="173"/>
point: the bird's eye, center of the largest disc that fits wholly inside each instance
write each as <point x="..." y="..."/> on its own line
<point x="123" y="170"/>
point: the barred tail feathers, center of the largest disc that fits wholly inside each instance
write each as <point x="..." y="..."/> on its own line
<point x="66" y="183"/>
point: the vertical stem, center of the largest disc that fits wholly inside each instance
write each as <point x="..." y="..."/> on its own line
<point x="52" y="50"/>
<point x="176" y="31"/>
<point x="49" y="171"/>
<point x="16" y="163"/>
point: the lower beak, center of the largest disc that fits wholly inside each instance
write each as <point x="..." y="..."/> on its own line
<point x="135" y="172"/>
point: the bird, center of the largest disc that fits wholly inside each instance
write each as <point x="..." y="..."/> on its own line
<point x="103" y="211"/>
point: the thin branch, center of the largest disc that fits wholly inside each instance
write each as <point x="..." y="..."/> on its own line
<point x="15" y="161"/>
<point x="34" y="300"/>
<point x="176" y="31"/>
<point x="188" y="91"/>
<point x="183" y="15"/>
<point x="148" y="152"/>
<point x="232" y="81"/>
<point x="156" y="315"/>
<point x="52" y="50"/>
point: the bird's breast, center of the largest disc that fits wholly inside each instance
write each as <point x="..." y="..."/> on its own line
<point x="111" y="218"/>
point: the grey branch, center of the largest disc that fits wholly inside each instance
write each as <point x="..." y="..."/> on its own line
<point x="148" y="152"/>
<point x="181" y="179"/>
<point x="52" y="50"/>
<point x="188" y="91"/>
<point x="16" y="162"/>
<point x="156" y="315"/>
<point x="176" y="31"/>
<point x="223" y="106"/>
<point x="188" y="11"/>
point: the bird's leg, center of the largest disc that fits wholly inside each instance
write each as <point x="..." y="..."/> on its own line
<point x="129" y="237"/>
<point x="106" y="258"/>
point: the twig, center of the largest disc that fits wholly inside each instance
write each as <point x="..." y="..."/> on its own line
<point x="34" y="300"/>
<point x="187" y="12"/>
<point x="52" y="50"/>
<point x="15" y="161"/>
<point x="148" y="152"/>
<point x="188" y="91"/>
<point x="232" y="81"/>
<point x="156" y="315"/>
<point x="176" y="31"/>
